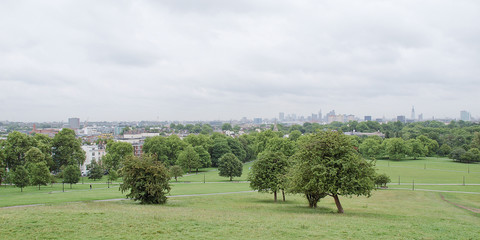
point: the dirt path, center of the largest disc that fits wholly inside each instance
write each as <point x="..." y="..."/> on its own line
<point x="475" y="210"/>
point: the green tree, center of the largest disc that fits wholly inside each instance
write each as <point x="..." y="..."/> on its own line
<point x="382" y="180"/>
<point x="176" y="171"/>
<point x="3" y="174"/>
<point x="33" y="156"/>
<point x="146" y="179"/>
<point x="220" y="148"/>
<point x="268" y="171"/>
<point x="112" y="175"/>
<point x="283" y="145"/>
<point x="229" y="166"/>
<point x="15" y="147"/>
<point x="237" y="148"/>
<point x="166" y="149"/>
<point x="395" y="148"/>
<point x="20" y="177"/>
<point x="189" y="159"/>
<point x="444" y="150"/>
<point x="116" y="153"/>
<point x="39" y="174"/>
<point x="328" y="164"/>
<point x="71" y="174"/>
<point x="205" y="159"/>
<point x="416" y="149"/>
<point x="472" y="155"/>
<point x="430" y="145"/>
<point x="44" y="144"/>
<point x="227" y="127"/>
<point x="457" y="153"/>
<point x="67" y="150"/>
<point x="371" y="147"/>
<point x="294" y="135"/>
<point x="95" y="170"/>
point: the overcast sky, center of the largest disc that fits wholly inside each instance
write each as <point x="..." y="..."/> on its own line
<point x="217" y="59"/>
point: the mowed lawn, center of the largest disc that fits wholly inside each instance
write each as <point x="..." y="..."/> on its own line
<point x="389" y="214"/>
<point x="429" y="170"/>
<point x="386" y="215"/>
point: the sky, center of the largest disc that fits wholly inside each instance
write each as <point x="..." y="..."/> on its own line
<point x="221" y="60"/>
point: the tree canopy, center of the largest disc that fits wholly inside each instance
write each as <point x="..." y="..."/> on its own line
<point x="229" y="166"/>
<point x="326" y="163"/>
<point x="268" y="172"/>
<point x="146" y="179"/>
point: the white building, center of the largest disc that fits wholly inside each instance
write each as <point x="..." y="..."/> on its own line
<point x="92" y="152"/>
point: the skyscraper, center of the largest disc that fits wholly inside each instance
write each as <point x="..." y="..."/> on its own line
<point x="465" y="116"/>
<point x="74" y="123"/>
<point x="281" y="116"/>
<point x="413" y="113"/>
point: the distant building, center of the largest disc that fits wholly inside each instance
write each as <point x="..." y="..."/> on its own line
<point x="420" y="117"/>
<point x="401" y="118"/>
<point x="281" y="116"/>
<point x="74" y="123"/>
<point x="92" y="152"/>
<point x="465" y="116"/>
<point x="367" y="118"/>
<point x="379" y="120"/>
<point x="413" y="113"/>
<point x="257" y="120"/>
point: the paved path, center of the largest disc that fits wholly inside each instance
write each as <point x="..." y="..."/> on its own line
<point x="121" y="199"/>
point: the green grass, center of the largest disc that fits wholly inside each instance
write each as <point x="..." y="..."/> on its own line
<point x="386" y="215"/>
<point x="429" y="170"/>
<point x="211" y="175"/>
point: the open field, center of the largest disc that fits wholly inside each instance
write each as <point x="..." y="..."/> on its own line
<point x="386" y="215"/>
<point x="389" y="214"/>
<point x="429" y="170"/>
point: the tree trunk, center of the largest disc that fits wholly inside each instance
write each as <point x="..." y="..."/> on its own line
<point x="21" y="189"/>
<point x="337" y="202"/>
<point x="312" y="199"/>
<point x="283" y="194"/>
<point x="275" y="196"/>
<point x="70" y="186"/>
<point x="231" y="178"/>
<point x="176" y="179"/>
<point x="38" y="186"/>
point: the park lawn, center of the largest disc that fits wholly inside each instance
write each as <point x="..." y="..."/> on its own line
<point x="429" y="170"/>
<point x="386" y="215"/>
<point x="11" y="196"/>
<point x="469" y="200"/>
<point x="212" y="175"/>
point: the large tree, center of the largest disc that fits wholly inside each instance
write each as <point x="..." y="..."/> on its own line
<point x="268" y="172"/>
<point x="176" y="171"/>
<point x="146" y="179"/>
<point x="67" y="150"/>
<point x="229" y="166"/>
<point x="326" y="163"/>
<point x="371" y="147"/>
<point x="416" y="149"/>
<point x="205" y="159"/>
<point x="20" y="177"/>
<point x="95" y="170"/>
<point x="16" y="145"/>
<point x="116" y="153"/>
<point x="395" y="148"/>
<point x="220" y="148"/>
<point x="39" y="173"/>
<point x="189" y="159"/>
<point x="71" y="174"/>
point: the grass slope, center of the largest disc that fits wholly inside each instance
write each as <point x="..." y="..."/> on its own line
<point x="386" y="215"/>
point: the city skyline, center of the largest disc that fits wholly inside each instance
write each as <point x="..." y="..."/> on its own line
<point x="220" y="60"/>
